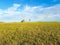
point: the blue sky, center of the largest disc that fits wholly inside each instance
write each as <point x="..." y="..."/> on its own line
<point x="36" y="10"/>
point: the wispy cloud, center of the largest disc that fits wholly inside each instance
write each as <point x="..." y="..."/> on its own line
<point x="35" y="13"/>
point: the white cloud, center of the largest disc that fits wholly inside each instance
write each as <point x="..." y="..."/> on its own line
<point x="1" y="11"/>
<point x="35" y="13"/>
<point x="52" y="16"/>
<point x="53" y="11"/>
<point x="14" y="7"/>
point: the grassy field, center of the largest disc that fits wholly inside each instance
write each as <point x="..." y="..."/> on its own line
<point x="33" y="33"/>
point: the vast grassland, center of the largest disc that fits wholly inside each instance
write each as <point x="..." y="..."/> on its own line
<point x="33" y="33"/>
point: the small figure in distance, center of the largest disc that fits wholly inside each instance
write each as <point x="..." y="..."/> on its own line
<point x="29" y="20"/>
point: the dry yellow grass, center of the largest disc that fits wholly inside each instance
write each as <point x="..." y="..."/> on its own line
<point x="33" y="33"/>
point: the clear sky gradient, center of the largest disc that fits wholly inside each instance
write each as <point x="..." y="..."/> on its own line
<point x="36" y="10"/>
